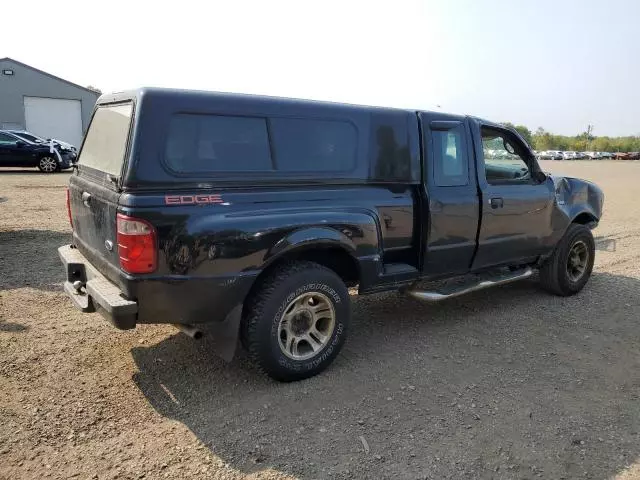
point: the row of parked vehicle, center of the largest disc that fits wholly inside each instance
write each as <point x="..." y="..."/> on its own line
<point x="559" y="155"/>
<point x="627" y="156"/>
<point x="20" y="148"/>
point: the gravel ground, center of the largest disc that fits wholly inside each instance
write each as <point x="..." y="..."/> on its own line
<point x="508" y="383"/>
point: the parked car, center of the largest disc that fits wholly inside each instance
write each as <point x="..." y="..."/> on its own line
<point x="622" y="156"/>
<point x="30" y="137"/>
<point x="598" y="155"/>
<point x="634" y="156"/>
<point x="569" y="155"/>
<point x="18" y="152"/>
<point x="256" y="214"/>
<point x="549" y="155"/>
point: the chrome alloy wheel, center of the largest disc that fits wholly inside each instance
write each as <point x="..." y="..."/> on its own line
<point x="306" y="326"/>
<point x="48" y="164"/>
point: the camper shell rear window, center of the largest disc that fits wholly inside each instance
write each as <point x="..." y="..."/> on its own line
<point x="106" y="141"/>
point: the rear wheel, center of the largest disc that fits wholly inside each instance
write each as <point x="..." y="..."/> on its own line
<point x="296" y="323"/>
<point x="48" y="164"/>
<point x="569" y="268"/>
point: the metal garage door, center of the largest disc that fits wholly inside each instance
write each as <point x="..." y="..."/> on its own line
<point x="54" y="118"/>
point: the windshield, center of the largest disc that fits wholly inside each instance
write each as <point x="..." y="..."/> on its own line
<point x="29" y="137"/>
<point x="106" y="141"/>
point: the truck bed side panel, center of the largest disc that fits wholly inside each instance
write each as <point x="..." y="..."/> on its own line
<point x="206" y="247"/>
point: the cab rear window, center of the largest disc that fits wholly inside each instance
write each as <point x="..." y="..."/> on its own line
<point x="106" y="141"/>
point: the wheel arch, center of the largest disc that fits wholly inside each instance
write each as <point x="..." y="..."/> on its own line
<point x="585" y="218"/>
<point x="325" y="246"/>
<point x="322" y="245"/>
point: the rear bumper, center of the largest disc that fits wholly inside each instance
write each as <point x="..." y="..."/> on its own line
<point x="91" y="291"/>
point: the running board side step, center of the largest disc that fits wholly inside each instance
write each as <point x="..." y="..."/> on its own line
<point x="432" y="296"/>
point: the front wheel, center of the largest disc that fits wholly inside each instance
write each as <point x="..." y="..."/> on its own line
<point x="567" y="271"/>
<point x="48" y="164"/>
<point x="296" y="322"/>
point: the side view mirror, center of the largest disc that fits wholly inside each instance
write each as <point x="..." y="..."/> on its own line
<point x="540" y="176"/>
<point x="20" y="144"/>
<point x="508" y="147"/>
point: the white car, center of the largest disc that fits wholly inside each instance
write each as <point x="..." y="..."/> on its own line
<point x="569" y="155"/>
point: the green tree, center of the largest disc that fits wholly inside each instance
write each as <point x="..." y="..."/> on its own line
<point x="602" y="144"/>
<point x="526" y="133"/>
<point x="542" y="140"/>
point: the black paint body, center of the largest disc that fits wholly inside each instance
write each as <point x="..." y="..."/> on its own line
<point x="386" y="223"/>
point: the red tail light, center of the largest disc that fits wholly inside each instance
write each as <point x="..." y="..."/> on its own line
<point x="136" y="245"/>
<point x="69" y="208"/>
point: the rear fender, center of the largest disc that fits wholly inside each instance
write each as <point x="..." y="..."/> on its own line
<point x="359" y="237"/>
<point x="213" y="249"/>
<point x="312" y="237"/>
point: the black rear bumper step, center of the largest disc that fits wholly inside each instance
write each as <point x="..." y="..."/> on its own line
<point x="91" y="291"/>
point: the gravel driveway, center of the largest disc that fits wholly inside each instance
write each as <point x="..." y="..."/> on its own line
<point x="510" y="383"/>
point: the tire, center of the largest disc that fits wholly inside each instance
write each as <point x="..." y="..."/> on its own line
<point x="559" y="275"/>
<point x="48" y="164"/>
<point x="296" y="322"/>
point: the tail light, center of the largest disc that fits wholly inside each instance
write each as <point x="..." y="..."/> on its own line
<point x="136" y="245"/>
<point x="69" y="208"/>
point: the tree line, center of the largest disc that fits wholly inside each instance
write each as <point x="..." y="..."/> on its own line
<point x="541" y="140"/>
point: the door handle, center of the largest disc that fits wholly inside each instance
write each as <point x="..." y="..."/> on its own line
<point x="496" y="202"/>
<point x="86" y="196"/>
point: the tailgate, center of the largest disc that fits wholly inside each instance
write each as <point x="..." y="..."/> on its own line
<point x="93" y="211"/>
<point x="93" y="192"/>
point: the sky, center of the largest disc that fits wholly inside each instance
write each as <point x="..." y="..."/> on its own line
<point x="558" y="64"/>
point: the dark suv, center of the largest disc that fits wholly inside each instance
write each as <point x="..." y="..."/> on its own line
<point x="254" y="215"/>
<point x="18" y="151"/>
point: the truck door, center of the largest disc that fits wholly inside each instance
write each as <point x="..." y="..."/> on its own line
<point x="449" y="179"/>
<point x="516" y="201"/>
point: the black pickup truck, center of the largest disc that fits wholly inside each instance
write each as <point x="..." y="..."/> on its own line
<point x="255" y="215"/>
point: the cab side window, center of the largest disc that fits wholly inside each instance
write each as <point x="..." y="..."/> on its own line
<point x="505" y="159"/>
<point x="450" y="166"/>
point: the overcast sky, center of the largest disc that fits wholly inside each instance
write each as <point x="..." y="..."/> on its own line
<point x="560" y="64"/>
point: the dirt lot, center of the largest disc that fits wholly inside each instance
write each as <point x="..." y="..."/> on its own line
<point x="510" y="383"/>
